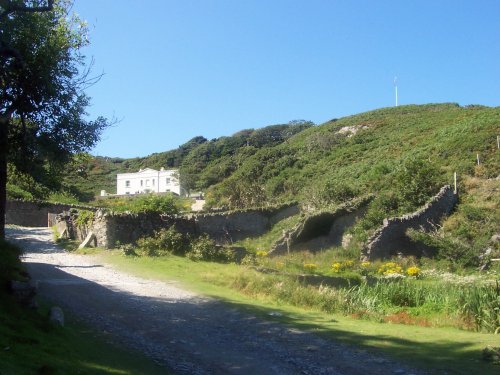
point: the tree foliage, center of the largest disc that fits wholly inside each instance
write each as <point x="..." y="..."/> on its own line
<point x="42" y="82"/>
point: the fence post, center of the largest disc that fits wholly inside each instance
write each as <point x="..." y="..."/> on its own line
<point x="455" y="181"/>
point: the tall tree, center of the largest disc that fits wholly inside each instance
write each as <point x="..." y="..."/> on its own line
<point x="42" y="82"/>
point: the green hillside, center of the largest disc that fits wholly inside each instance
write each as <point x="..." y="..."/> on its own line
<point x="202" y="162"/>
<point x="323" y="161"/>
<point x="317" y="165"/>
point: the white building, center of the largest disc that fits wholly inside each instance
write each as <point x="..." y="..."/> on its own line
<point x="148" y="181"/>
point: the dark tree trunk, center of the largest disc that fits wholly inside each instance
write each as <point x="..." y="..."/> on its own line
<point x="4" y="126"/>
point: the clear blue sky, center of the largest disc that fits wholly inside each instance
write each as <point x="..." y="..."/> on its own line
<point x="177" y="69"/>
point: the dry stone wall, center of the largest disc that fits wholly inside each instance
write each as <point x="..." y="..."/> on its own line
<point x="225" y="228"/>
<point x="35" y="214"/>
<point x="391" y="239"/>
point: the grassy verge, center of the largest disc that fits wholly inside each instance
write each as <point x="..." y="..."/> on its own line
<point x="443" y="348"/>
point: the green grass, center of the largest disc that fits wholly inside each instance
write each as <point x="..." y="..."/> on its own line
<point x="437" y="348"/>
<point x="265" y="242"/>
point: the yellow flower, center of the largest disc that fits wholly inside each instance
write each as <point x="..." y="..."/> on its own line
<point x="348" y="263"/>
<point x="413" y="271"/>
<point x="336" y="267"/>
<point x="365" y="264"/>
<point x="390" y="268"/>
<point x="261" y="254"/>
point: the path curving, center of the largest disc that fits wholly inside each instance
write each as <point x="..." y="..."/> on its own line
<point x="185" y="332"/>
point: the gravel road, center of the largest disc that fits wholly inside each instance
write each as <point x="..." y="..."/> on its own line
<point x="182" y="331"/>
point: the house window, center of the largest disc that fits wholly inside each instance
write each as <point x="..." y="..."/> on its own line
<point x="127" y="183"/>
<point x="168" y="181"/>
<point x="142" y="182"/>
<point x="153" y="182"/>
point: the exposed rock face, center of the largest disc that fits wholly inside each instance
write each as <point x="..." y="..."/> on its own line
<point x="321" y="230"/>
<point x="391" y="239"/>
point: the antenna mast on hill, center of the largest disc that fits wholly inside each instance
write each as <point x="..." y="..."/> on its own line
<point x="396" y="89"/>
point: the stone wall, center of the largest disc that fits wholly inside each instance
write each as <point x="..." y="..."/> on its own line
<point x="113" y="228"/>
<point x="35" y="214"/>
<point x="233" y="226"/>
<point x="321" y="230"/>
<point x="391" y="238"/>
<point x="225" y="227"/>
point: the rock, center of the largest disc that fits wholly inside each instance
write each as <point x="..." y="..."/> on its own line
<point x="56" y="316"/>
<point x="89" y="241"/>
<point x="346" y="240"/>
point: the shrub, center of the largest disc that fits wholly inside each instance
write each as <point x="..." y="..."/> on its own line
<point x="413" y="271"/>
<point x="164" y="242"/>
<point x="84" y="218"/>
<point x="153" y="203"/>
<point x="342" y="266"/>
<point x="456" y="253"/>
<point x="415" y="182"/>
<point x="204" y="249"/>
<point x="390" y="268"/>
<point x="128" y="250"/>
<point x="310" y="267"/>
<point x="261" y="254"/>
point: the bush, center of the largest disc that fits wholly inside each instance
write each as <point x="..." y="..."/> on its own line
<point x="416" y="181"/>
<point x="84" y="218"/>
<point x="456" y="253"/>
<point x="164" y="242"/>
<point x="153" y="203"/>
<point x="204" y="248"/>
<point x="128" y="250"/>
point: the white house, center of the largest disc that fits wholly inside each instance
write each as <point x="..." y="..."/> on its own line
<point x="148" y="181"/>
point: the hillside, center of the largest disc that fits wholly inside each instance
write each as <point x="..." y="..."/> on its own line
<point x="325" y="164"/>
<point x="363" y="154"/>
<point x="202" y="162"/>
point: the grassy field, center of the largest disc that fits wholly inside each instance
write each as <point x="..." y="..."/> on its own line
<point x="439" y="348"/>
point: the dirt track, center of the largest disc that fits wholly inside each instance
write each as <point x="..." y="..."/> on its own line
<point x="185" y="332"/>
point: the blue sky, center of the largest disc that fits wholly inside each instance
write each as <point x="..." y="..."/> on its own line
<point x="177" y="69"/>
